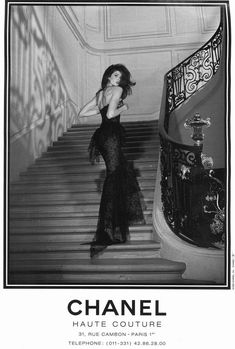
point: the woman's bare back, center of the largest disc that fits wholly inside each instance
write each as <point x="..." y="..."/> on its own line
<point x="105" y="96"/>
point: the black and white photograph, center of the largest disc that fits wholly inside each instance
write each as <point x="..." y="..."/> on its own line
<point x="117" y="173"/>
<point x="118" y="145"/>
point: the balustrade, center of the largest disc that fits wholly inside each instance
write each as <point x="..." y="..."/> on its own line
<point x="193" y="193"/>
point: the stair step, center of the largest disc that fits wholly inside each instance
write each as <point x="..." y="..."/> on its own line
<point x="78" y="168"/>
<point x="129" y="131"/>
<point x="65" y="251"/>
<point x="130" y="140"/>
<point x="66" y="204"/>
<point x="134" y="143"/>
<point x="27" y="236"/>
<point x="127" y="123"/>
<point x="97" y="271"/>
<point x="83" y="147"/>
<point x="27" y="214"/>
<point x="71" y="178"/>
<point x="130" y="127"/>
<point x="80" y="196"/>
<point x="74" y="161"/>
<point x="41" y="247"/>
<point x="158" y="265"/>
<point x="84" y="156"/>
<point x="73" y="280"/>
<point x="63" y="207"/>
<point x="142" y="137"/>
<point x="72" y="221"/>
<point x="71" y="234"/>
<point x="80" y="177"/>
<point x="68" y="186"/>
<point x="134" y="152"/>
<point x="130" y="135"/>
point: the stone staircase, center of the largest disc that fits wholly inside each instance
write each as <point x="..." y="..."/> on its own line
<point x="53" y="215"/>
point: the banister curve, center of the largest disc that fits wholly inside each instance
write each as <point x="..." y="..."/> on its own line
<point x="183" y="171"/>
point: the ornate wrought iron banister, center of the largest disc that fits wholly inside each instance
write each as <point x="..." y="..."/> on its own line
<point x="193" y="198"/>
<point x="193" y="73"/>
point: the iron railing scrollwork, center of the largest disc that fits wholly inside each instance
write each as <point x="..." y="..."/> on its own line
<point x="193" y="197"/>
<point x="193" y="73"/>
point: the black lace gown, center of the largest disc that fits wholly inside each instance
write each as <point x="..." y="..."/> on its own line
<point x="120" y="203"/>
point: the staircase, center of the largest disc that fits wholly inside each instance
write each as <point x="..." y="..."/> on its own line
<point x="54" y="209"/>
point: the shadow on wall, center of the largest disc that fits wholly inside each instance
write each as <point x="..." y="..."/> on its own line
<point x="40" y="106"/>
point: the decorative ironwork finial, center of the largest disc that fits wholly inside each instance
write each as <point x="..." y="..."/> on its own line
<point x="197" y="123"/>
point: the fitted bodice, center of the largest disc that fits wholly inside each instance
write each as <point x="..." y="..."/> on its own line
<point x="103" y="112"/>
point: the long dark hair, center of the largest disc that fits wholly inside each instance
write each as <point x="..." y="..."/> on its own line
<point x="125" y="81"/>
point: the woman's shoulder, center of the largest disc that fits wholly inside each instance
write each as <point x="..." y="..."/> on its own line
<point x="113" y="88"/>
<point x="117" y="90"/>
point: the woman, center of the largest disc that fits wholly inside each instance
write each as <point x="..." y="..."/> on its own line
<point x="120" y="203"/>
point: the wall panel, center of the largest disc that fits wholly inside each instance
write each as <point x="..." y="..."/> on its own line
<point x="187" y="20"/>
<point x="92" y="18"/>
<point x="128" y="22"/>
<point x="93" y="74"/>
<point x="209" y="18"/>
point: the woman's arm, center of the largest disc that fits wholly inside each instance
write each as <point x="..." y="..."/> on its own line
<point x="90" y="109"/>
<point x="113" y="110"/>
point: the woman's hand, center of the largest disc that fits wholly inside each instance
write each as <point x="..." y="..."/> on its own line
<point x="120" y="104"/>
<point x="125" y="107"/>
